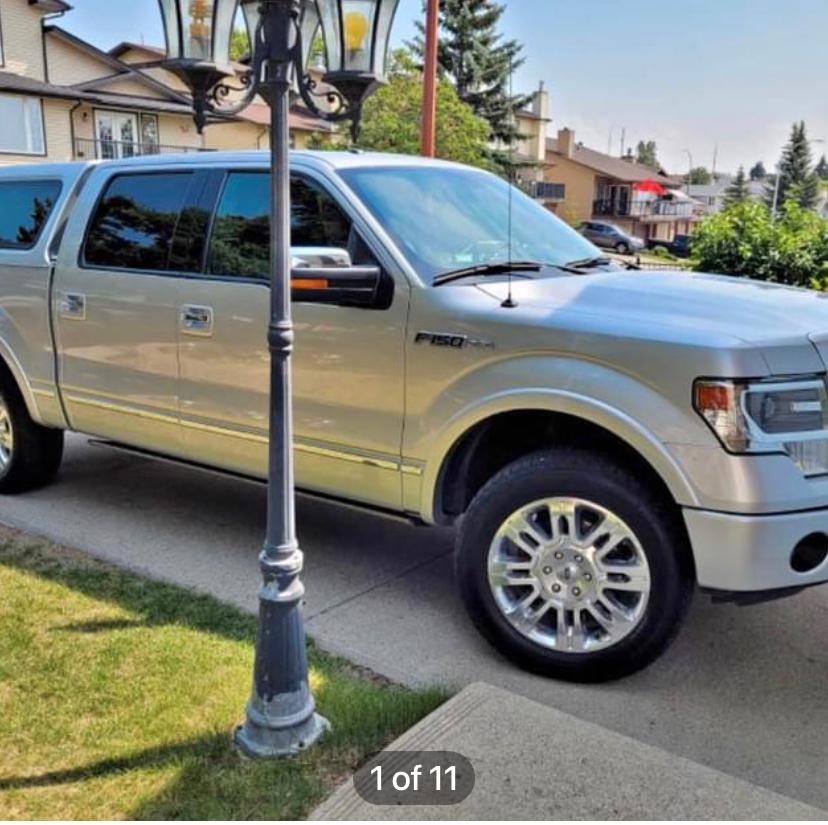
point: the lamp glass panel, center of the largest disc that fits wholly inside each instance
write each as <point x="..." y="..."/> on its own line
<point x="197" y="18"/>
<point x="172" y="32"/>
<point x="385" y="19"/>
<point x="358" y="17"/>
<point x="224" y="21"/>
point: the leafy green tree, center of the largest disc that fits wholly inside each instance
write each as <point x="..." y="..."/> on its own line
<point x="758" y="171"/>
<point x="700" y="176"/>
<point x="647" y="153"/>
<point x="476" y="60"/>
<point x="797" y="181"/>
<point x="392" y="116"/>
<point x="821" y="169"/>
<point x="745" y="240"/>
<point x="738" y="191"/>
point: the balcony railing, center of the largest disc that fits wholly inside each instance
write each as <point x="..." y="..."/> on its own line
<point x="111" y="149"/>
<point x="549" y="191"/>
<point x="623" y="208"/>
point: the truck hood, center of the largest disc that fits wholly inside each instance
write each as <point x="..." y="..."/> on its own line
<point x="753" y="312"/>
<point x="789" y="325"/>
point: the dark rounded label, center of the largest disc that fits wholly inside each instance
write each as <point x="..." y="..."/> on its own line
<point x="415" y="778"/>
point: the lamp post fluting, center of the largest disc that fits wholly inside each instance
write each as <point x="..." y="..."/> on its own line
<point x="281" y="716"/>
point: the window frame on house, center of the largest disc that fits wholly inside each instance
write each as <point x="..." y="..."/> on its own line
<point x="37" y="152"/>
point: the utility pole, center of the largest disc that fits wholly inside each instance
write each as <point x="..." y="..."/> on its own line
<point x="432" y="38"/>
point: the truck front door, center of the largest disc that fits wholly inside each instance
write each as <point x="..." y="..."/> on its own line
<point x="348" y="377"/>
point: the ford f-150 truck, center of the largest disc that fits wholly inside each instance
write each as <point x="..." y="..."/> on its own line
<point x="604" y="439"/>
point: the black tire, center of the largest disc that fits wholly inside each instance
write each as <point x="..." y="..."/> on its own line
<point x="585" y="475"/>
<point x="36" y="451"/>
<point x="622" y="248"/>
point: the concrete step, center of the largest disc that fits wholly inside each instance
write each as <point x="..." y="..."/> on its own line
<point x="534" y="762"/>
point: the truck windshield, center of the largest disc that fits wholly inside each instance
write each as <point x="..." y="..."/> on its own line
<point x="446" y="218"/>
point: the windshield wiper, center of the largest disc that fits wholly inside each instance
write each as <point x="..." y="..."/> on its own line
<point x="588" y="263"/>
<point x="500" y="268"/>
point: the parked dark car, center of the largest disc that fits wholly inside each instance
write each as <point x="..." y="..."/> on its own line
<point x="679" y="246"/>
<point x="610" y="236"/>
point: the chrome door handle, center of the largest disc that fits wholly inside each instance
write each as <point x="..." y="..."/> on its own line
<point x="73" y="305"/>
<point x="196" y="320"/>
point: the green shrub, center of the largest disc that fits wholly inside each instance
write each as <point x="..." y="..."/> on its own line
<point x="745" y="240"/>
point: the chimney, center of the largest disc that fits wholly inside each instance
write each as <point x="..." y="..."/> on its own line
<point x="566" y="142"/>
<point x="540" y="102"/>
<point x="629" y="157"/>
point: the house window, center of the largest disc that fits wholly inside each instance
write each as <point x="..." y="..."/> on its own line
<point x="21" y="125"/>
<point x="551" y="191"/>
<point x="149" y="134"/>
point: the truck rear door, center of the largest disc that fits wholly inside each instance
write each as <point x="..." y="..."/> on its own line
<point x="115" y="303"/>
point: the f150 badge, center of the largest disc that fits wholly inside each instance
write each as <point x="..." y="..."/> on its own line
<point x="451" y="341"/>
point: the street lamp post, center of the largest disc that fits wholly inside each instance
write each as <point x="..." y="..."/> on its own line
<point x="281" y="718"/>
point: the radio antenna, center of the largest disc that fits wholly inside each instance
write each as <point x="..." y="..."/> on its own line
<point x="509" y="302"/>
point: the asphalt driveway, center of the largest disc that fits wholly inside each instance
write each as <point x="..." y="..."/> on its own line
<point x="743" y="690"/>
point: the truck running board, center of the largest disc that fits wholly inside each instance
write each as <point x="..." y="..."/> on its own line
<point x="406" y="518"/>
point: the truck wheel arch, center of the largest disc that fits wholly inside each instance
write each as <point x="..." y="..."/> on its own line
<point x="10" y="370"/>
<point x="469" y="453"/>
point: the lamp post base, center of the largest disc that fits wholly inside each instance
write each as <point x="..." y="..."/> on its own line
<point x="259" y="741"/>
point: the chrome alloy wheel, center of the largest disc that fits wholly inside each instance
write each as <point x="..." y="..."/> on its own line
<point x="569" y="575"/>
<point x="6" y="437"/>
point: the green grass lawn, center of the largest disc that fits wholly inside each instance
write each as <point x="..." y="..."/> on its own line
<point x="119" y="695"/>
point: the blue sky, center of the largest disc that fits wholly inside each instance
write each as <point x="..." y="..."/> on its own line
<point x="689" y="74"/>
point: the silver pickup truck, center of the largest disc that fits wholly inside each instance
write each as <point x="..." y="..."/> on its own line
<point x="604" y="439"/>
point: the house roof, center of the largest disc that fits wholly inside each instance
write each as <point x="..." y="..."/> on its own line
<point x="16" y="83"/>
<point x="301" y="118"/>
<point x="127" y="46"/>
<point x="120" y="70"/>
<point x="51" y="6"/>
<point x="156" y="55"/>
<point x="610" y="166"/>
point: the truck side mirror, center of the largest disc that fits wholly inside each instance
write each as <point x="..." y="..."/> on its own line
<point x="327" y="276"/>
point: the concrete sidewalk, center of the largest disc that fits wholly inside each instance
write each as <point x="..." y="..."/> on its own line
<point x="533" y="762"/>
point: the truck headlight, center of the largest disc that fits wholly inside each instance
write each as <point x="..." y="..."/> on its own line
<point x="773" y="416"/>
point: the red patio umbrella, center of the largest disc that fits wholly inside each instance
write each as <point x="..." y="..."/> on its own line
<point x="649" y="185"/>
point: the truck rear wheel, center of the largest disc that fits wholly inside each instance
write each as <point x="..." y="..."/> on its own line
<point x="30" y="454"/>
<point x="573" y="568"/>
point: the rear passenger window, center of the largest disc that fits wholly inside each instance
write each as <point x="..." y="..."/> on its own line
<point x="25" y="207"/>
<point x="134" y="224"/>
<point x="240" y="246"/>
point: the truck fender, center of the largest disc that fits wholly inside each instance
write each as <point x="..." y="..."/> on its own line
<point x="632" y="432"/>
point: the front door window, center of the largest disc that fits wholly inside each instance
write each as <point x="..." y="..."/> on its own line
<point x="117" y="134"/>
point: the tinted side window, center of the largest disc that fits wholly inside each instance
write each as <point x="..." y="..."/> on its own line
<point x="240" y="245"/>
<point x="25" y="207"/>
<point x="135" y="221"/>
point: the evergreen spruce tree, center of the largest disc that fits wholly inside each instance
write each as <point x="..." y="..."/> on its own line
<point x="738" y="191"/>
<point x="478" y="62"/>
<point x="647" y="153"/>
<point x="758" y="171"/>
<point x="822" y="168"/>
<point x="797" y="181"/>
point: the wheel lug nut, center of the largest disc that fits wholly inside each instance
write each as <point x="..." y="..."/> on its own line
<point x="588" y="576"/>
<point x="576" y="591"/>
<point x="559" y="555"/>
<point x="579" y="559"/>
<point x="556" y="588"/>
<point x="547" y="571"/>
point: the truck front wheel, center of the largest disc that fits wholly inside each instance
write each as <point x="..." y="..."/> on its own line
<point x="30" y="454"/>
<point x="572" y="567"/>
